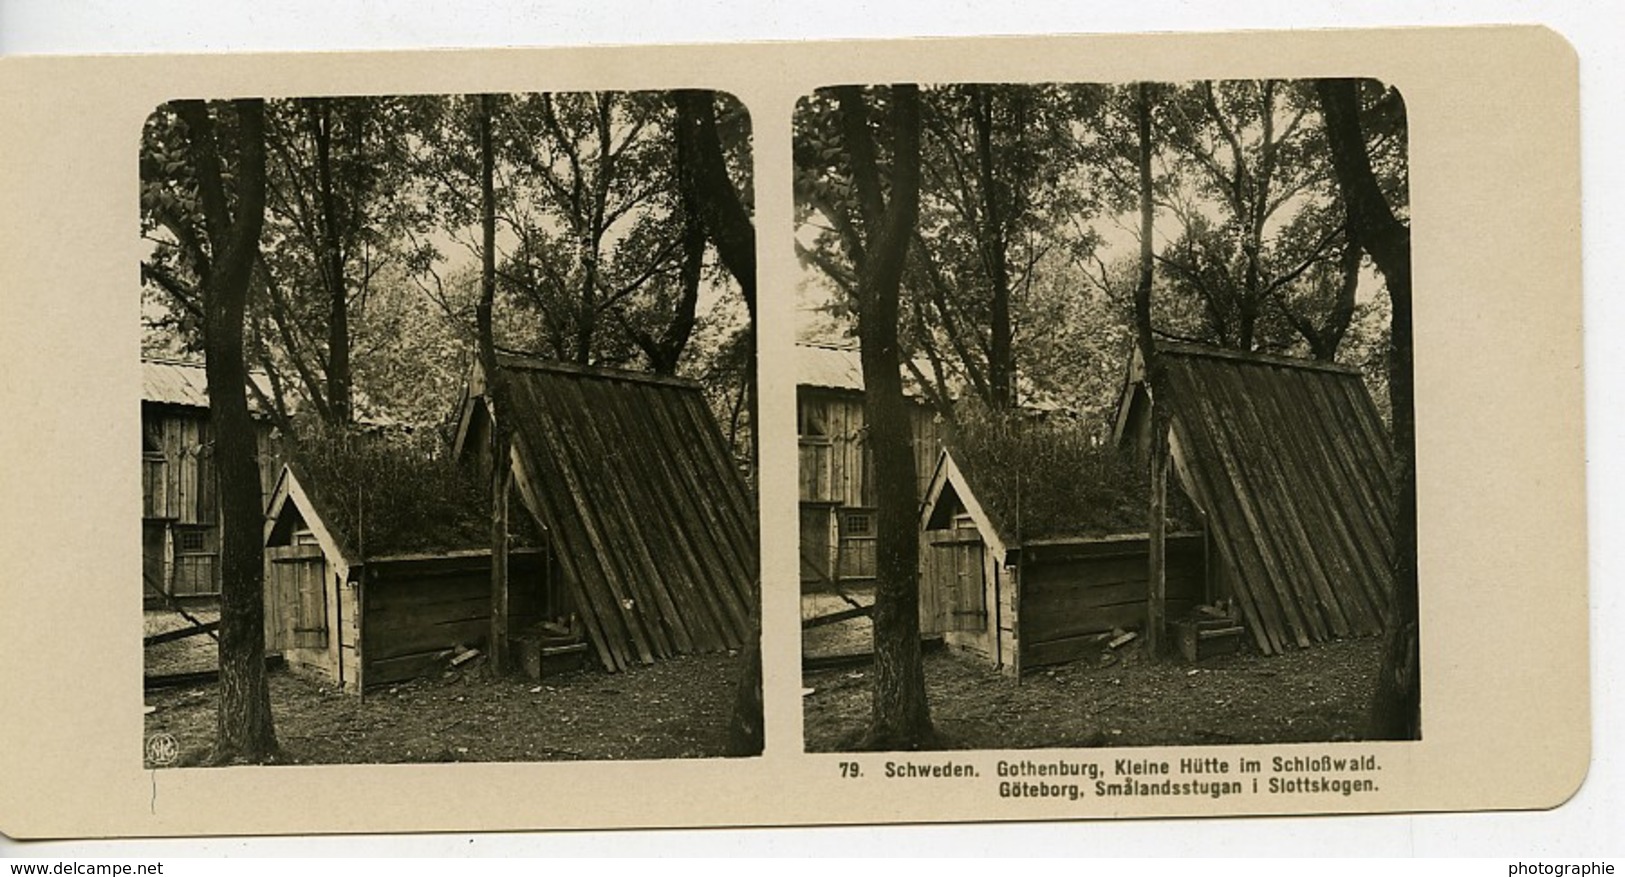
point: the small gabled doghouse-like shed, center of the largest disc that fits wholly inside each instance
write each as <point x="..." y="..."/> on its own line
<point x="639" y="500"/>
<point x="1289" y="463"/>
<point x="1028" y="602"/>
<point x="360" y="619"/>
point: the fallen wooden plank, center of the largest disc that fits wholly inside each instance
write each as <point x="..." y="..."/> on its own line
<point x="182" y="633"/>
<point x="836" y="617"/>
<point x="199" y="677"/>
<point x="857" y="659"/>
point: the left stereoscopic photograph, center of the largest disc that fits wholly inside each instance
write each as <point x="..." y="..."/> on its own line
<point x="448" y="434"/>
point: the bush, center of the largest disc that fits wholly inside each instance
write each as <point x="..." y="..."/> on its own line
<point x="1052" y="476"/>
<point x="394" y="492"/>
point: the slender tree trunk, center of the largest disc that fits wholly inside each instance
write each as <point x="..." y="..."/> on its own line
<point x="244" y="730"/>
<point x="727" y="220"/>
<point x="496" y="394"/>
<point x="332" y="259"/>
<point x="1396" y="708"/>
<point x="1157" y="584"/>
<point x="900" y="717"/>
<point x="1342" y="314"/>
<point x="720" y="212"/>
<point x="1001" y="366"/>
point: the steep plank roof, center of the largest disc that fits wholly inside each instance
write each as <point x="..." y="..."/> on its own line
<point x="647" y="513"/>
<point x="1291" y="463"/>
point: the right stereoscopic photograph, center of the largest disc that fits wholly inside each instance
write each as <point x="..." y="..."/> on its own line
<point x="1104" y="411"/>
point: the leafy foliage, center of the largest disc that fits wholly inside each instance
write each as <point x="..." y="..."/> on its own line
<point x="374" y="199"/>
<point x="390" y="492"/>
<point x="1042" y="477"/>
<point x="1037" y="184"/>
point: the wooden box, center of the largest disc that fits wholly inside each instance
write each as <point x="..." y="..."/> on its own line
<point x="538" y="660"/>
<point x="1205" y="637"/>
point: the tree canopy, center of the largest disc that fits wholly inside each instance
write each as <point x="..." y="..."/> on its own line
<point x="1020" y="283"/>
<point x="362" y="299"/>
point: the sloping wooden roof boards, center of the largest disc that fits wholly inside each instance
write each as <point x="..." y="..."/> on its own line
<point x="184" y="383"/>
<point x="645" y="509"/>
<point x="1291" y="464"/>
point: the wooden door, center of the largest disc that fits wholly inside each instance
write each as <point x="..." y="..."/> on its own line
<point x="296" y="599"/>
<point x="968" y="604"/>
<point x="817" y="547"/>
<point x="153" y="534"/>
<point x="953" y="583"/>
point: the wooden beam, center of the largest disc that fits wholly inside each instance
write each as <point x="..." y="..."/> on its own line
<point x="180" y="634"/>
<point x="836" y="617"/>
<point x="1156" y="607"/>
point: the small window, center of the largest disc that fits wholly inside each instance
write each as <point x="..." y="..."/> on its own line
<point x="812" y="422"/>
<point x="152" y="439"/>
<point x="190" y="541"/>
<point x="858" y="524"/>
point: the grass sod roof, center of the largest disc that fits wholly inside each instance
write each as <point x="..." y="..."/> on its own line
<point x="1053" y="478"/>
<point x="384" y="496"/>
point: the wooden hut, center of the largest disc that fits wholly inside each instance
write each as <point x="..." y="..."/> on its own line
<point x="359" y="618"/>
<point x="1029" y="601"/>
<point x="1288" y="461"/>
<point x="180" y="509"/>
<point x="638" y="498"/>
<point x="837" y="490"/>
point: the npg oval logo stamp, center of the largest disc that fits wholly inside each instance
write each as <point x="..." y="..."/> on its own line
<point x="162" y="749"/>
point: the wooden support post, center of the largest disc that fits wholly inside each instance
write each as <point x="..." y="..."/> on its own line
<point x="1156" y="608"/>
<point x="501" y="482"/>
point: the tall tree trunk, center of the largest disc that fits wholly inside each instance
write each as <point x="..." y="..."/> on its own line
<point x="716" y="204"/>
<point x="1396" y="708"/>
<point x="727" y="221"/>
<point x="320" y="113"/>
<point x="1001" y="366"/>
<point x="244" y="730"/>
<point x="1342" y="313"/>
<point x="496" y="394"/>
<point x="900" y="717"/>
<point x="1157" y="587"/>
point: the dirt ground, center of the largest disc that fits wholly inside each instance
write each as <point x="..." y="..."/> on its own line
<point x="181" y="656"/>
<point x="677" y="708"/>
<point x="1120" y="699"/>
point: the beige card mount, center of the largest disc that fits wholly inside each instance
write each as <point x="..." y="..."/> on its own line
<point x="1490" y="122"/>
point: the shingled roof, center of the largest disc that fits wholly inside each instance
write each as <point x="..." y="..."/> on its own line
<point x="645" y="509"/>
<point x="1291" y="464"/>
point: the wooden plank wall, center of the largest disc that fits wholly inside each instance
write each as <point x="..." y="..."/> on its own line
<point x="417" y="610"/>
<point x="817" y="548"/>
<point x="175" y="480"/>
<point x="1071" y="592"/>
<point x="842" y="453"/>
<point x="178" y="486"/>
<point x="953" y="586"/>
